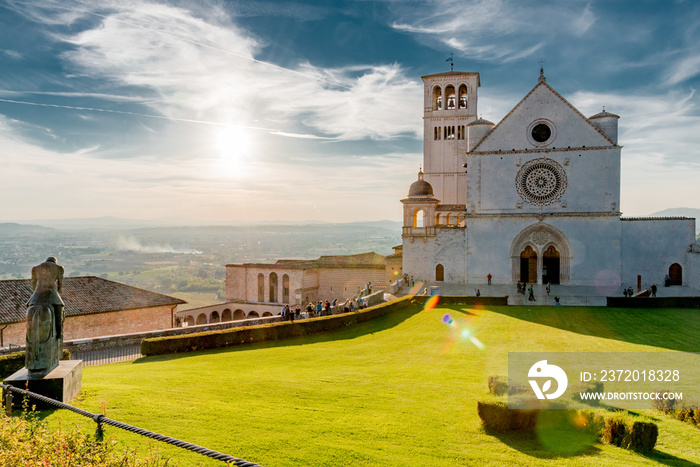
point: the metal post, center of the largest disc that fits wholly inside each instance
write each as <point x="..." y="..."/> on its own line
<point x="8" y="402"/>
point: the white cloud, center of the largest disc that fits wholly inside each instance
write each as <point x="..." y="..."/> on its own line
<point x="493" y="30"/>
<point x="205" y="68"/>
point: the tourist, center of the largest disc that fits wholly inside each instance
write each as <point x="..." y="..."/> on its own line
<point x="489" y="278"/>
<point x="475" y="293"/>
<point x="297" y="311"/>
<point x="653" y="290"/>
<point x="478" y="293"/>
<point x="346" y="306"/>
<point x="667" y="280"/>
<point x="283" y="313"/>
<point x="548" y="289"/>
<point x="327" y="308"/>
<point x="334" y="306"/>
<point x="319" y="308"/>
<point x="624" y="292"/>
<point x="310" y="310"/>
<point x="531" y="297"/>
<point x="556" y="301"/>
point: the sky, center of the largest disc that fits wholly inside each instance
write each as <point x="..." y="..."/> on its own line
<point x="234" y="112"/>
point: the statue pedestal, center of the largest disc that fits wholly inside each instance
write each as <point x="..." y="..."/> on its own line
<point x="63" y="383"/>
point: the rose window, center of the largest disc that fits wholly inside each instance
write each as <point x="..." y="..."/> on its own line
<point x="541" y="182"/>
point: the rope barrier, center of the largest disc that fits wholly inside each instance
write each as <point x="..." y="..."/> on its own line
<point x="101" y="419"/>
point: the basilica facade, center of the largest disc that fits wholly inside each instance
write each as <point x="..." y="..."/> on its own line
<point x="534" y="198"/>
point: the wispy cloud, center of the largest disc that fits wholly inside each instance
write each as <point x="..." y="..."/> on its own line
<point x="485" y="29"/>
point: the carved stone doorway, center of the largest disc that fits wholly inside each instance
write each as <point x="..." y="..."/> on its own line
<point x="550" y="266"/>
<point x="528" y="265"/>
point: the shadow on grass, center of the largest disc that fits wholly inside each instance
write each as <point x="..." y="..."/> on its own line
<point x="529" y="444"/>
<point x="381" y="323"/>
<point x="668" y="328"/>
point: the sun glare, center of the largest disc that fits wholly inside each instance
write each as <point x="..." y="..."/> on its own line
<point x="234" y="145"/>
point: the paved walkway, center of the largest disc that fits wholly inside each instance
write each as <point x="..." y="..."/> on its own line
<point x="569" y="295"/>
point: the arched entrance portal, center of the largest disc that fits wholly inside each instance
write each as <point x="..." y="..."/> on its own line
<point x="550" y="266"/>
<point x="675" y="272"/>
<point x="528" y="265"/>
<point x="541" y="252"/>
<point x="439" y="273"/>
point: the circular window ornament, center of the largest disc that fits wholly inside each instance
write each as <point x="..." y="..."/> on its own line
<point x="541" y="132"/>
<point x="541" y="181"/>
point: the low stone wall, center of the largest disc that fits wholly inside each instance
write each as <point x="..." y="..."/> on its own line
<point x="653" y="302"/>
<point x="123" y="340"/>
<point x="464" y="300"/>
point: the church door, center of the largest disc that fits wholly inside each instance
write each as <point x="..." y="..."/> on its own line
<point x="528" y="265"/>
<point x="675" y="272"/>
<point x="550" y="266"/>
<point x="439" y="273"/>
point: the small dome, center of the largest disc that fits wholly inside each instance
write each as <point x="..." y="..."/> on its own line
<point x="604" y="114"/>
<point x="480" y="121"/>
<point x="420" y="188"/>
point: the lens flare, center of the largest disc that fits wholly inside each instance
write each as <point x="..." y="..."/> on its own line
<point x="431" y="303"/>
<point x="415" y="289"/>
<point x="459" y="331"/>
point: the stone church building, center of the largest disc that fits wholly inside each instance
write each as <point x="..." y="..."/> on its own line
<point x="534" y="198"/>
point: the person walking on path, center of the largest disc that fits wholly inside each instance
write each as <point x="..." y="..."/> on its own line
<point x="531" y="297"/>
<point x="489" y="278"/>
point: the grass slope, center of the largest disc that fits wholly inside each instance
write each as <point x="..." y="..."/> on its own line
<point x="397" y="391"/>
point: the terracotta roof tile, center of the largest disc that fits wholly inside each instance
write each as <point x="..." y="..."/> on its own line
<point x="82" y="296"/>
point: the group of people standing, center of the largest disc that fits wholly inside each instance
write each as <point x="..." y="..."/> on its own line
<point x="322" y="308"/>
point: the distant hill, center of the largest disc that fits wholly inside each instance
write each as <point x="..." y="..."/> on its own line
<point x="14" y="229"/>
<point x="680" y="212"/>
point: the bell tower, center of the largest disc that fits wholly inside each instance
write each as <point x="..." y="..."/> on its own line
<point x="450" y="104"/>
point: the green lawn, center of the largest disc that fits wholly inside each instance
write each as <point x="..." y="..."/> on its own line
<point x="395" y="391"/>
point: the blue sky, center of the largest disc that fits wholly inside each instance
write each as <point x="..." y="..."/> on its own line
<point x="247" y="111"/>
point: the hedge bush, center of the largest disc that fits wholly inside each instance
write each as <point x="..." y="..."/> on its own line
<point x="268" y="332"/>
<point x="497" y="416"/>
<point x="499" y="386"/>
<point x="679" y="409"/>
<point x="27" y="441"/>
<point x="13" y="362"/>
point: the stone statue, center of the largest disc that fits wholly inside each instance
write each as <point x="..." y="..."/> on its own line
<point x="45" y="318"/>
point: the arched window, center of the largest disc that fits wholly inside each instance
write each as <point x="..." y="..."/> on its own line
<point x="418" y="218"/>
<point x="261" y="287"/>
<point x="266" y="314"/>
<point x="238" y="314"/>
<point x="447" y="219"/>
<point x="285" y="289"/>
<point x="273" y="287"/>
<point x="451" y="99"/>
<point x="214" y="317"/>
<point x="437" y="98"/>
<point x="439" y="273"/>
<point x="202" y="319"/>
<point x="253" y="314"/>
<point x="437" y="219"/>
<point x="463" y="96"/>
<point x="226" y="315"/>
<point x="189" y="320"/>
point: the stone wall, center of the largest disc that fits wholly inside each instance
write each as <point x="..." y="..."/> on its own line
<point x="651" y="245"/>
<point x="102" y="324"/>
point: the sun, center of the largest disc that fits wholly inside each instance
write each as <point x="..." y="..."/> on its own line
<point x="234" y="145"/>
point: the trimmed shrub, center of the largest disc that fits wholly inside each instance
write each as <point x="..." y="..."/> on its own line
<point x="643" y="437"/>
<point x="267" y="332"/>
<point x="13" y="362"/>
<point x="587" y="388"/>
<point x="498" y="386"/>
<point x="497" y="416"/>
<point x="614" y="431"/>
